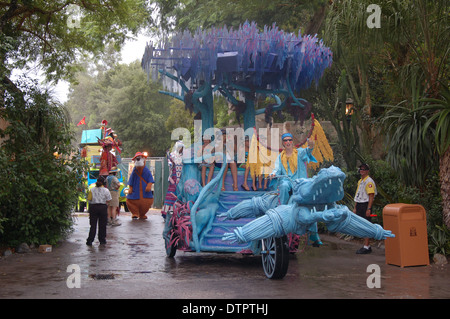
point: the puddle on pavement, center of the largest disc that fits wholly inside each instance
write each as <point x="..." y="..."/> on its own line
<point x="102" y="276"/>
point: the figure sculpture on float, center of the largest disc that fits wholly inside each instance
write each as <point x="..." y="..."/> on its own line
<point x="175" y="162"/>
<point x="314" y="200"/>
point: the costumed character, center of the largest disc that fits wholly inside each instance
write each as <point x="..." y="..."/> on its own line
<point x="109" y="145"/>
<point x="175" y="161"/>
<point x="291" y="162"/>
<point x="140" y="195"/>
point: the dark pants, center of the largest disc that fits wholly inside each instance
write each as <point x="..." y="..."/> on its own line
<point x="98" y="213"/>
<point x="361" y="209"/>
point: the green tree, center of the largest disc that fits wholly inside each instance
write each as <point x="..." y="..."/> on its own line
<point x="179" y="117"/>
<point x="440" y="122"/>
<point x="354" y="52"/>
<point x="331" y="97"/>
<point x="133" y="107"/>
<point x="409" y="149"/>
<point x="288" y="15"/>
<point x="45" y="32"/>
<point x="411" y="51"/>
<point x="137" y="110"/>
<point x="38" y="177"/>
<point x="38" y="189"/>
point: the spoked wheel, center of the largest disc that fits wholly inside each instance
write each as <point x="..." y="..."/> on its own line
<point x="171" y="247"/>
<point x="171" y="250"/>
<point x="275" y="257"/>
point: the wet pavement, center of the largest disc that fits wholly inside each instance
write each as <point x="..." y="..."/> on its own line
<point x="133" y="264"/>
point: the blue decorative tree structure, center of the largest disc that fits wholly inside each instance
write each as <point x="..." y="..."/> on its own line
<point x="269" y="62"/>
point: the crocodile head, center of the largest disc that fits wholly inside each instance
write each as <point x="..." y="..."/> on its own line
<point x="325" y="187"/>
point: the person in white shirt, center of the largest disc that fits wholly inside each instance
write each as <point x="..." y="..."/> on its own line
<point x="365" y="194"/>
<point x="98" y="198"/>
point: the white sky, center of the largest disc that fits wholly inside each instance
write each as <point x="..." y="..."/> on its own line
<point x="133" y="50"/>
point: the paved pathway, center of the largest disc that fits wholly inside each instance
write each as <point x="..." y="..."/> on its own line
<point x="133" y="265"/>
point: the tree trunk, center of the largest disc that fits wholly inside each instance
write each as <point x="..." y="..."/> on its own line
<point x="444" y="174"/>
<point x="316" y="21"/>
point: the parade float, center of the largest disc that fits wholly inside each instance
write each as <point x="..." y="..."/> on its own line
<point x="100" y="148"/>
<point x="244" y="65"/>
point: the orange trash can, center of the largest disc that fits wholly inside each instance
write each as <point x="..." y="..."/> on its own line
<point x="409" y="247"/>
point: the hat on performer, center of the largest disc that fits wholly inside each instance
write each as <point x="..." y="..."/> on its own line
<point x="139" y="154"/>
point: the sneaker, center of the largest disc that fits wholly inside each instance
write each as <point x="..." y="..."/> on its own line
<point x="89" y="243"/>
<point x="364" y="251"/>
<point x="115" y="222"/>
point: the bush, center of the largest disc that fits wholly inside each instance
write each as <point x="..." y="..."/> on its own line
<point x="38" y="170"/>
<point x="391" y="190"/>
<point x="439" y="240"/>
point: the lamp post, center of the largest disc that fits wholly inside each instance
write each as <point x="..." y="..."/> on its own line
<point x="349" y="107"/>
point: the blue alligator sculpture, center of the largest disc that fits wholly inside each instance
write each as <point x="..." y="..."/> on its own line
<point x="313" y="200"/>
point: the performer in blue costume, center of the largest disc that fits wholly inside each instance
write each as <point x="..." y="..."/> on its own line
<point x="291" y="163"/>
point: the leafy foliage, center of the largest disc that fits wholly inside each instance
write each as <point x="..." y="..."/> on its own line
<point x="408" y="55"/>
<point x="181" y="225"/>
<point x="131" y="104"/>
<point x="37" y="188"/>
<point x="189" y="14"/>
<point x="405" y="142"/>
<point x="440" y="108"/>
<point x="439" y="241"/>
<point x="39" y="171"/>
<point x="42" y="31"/>
<point x="392" y="190"/>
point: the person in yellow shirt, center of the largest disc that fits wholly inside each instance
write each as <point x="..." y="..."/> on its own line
<point x="365" y="194"/>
